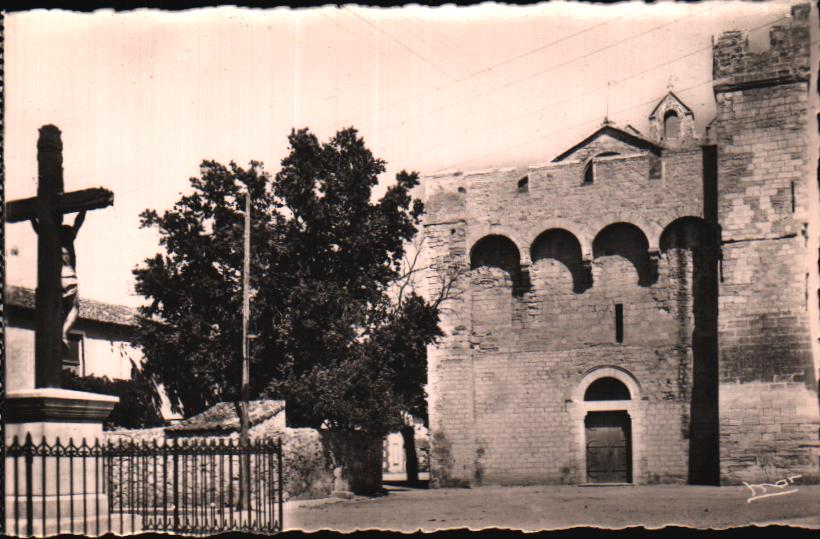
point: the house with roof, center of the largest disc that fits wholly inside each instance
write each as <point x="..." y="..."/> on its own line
<point x="223" y="420"/>
<point x="100" y="344"/>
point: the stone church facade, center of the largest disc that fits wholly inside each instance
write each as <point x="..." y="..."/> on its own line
<point x="637" y="310"/>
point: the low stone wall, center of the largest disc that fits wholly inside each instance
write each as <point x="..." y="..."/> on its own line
<point x="308" y="467"/>
<point x="134" y="435"/>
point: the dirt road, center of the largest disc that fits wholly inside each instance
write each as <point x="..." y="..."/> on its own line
<point x="556" y="507"/>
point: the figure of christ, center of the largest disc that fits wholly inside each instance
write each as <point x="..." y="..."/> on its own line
<point x="68" y="274"/>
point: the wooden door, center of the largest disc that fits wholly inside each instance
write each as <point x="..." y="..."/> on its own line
<point x="608" y="447"/>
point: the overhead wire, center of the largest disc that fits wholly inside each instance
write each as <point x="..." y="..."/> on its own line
<point x="420" y="37"/>
<point x="562" y="130"/>
<point x="476" y="73"/>
<point x="408" y="48"/>
<point x="548" y="69"/>
<point x="460" y="53"/>
<point x="597" y="89"/>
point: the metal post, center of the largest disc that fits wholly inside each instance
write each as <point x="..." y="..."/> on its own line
<point x="222" y="482"/>
<point x="132" y="488"/>
<point x="3" y="472"/>
<point x="29" y="486"/>
<point x="15" y="446"/>
<point x="71" y="451"/>
<point x="230" y="481"/>
<point x="110" y="485"/>
<point x="154" y="457"/>
<point x="271" y="488"/>
<point x="43" y="473"/>
<point x="121" y="456"/>
<point x="57" y="475"/>
<point x="165" y="485"/>
<point x="84" y="456"/>
<point x="281" y="488"/>
<point x="97" y="480"/>
<point x="176" y="484"/>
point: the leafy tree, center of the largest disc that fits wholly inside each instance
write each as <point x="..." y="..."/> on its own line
<point x="191" y="333"/>
<point x="333" y="337"/>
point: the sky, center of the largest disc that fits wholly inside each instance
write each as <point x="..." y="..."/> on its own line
<point x="142" y="97"/>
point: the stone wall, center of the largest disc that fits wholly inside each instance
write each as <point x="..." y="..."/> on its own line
<point x="308" y="469"/>
<point x="519" y="343"/>
<point x="702" y="246"/>
<point x="768" y="383"/>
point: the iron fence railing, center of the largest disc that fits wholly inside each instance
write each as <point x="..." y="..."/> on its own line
<point x="190" y="487"/>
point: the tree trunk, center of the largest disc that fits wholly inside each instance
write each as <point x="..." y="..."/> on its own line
<point x="357" y="459"/>
<point x="408" y="433"/>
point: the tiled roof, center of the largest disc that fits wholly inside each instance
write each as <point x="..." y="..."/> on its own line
<point x="96" y="311"/>
<point x="223" y="417"/>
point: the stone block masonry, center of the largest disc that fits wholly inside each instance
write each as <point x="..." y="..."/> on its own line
<point x="767" y="373"/>
<point x="634" y="310"/>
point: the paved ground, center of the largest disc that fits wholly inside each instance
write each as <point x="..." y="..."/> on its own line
<point x="556" y="507"/>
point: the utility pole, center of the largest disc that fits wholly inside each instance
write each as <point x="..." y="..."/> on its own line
<point x="245" y="468"/>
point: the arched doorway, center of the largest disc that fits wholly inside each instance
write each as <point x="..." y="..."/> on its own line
<point x="609" y="447"/>
<point x="607" y="407"/>
<point x="608" y="435"/>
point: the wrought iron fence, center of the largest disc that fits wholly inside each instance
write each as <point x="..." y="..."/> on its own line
<point x="190" y="487"/>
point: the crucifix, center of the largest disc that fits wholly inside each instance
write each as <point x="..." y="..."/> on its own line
<point x="56" y="302"/>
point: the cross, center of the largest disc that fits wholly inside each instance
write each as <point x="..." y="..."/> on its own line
<point x="46" y="211"/>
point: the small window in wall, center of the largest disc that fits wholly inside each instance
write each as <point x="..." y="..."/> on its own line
<point x="793" y="198"/>
<point x="73" y="357"/>
<point x="588" y="173"/>
<point x="655" y="167"/>
<point x="619" y="322"/>
<point x="524" y="184"/>
<point x="671" y="125"/>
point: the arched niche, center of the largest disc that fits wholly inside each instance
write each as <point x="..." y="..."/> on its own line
<point x="691" y="243"/>
<point x="497" y="251"/>
<point x="627" y="241"/>
<point x="671" y="125"/>
<point x="688" y="233"/>
<point x="561" y="245"/>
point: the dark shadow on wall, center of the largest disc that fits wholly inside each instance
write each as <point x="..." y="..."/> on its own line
<point x="698" y="237"/>
<point x="497" y="251"/>
<point x="561" y="245"/>
<point x="628" y="241"/>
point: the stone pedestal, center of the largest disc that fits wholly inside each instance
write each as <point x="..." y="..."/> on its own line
<point x="53" y="412"/>
<point x="48" y="486"/>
